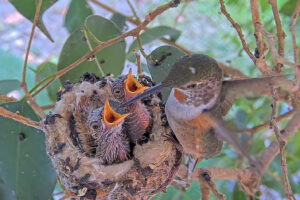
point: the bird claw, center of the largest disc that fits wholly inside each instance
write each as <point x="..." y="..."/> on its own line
<point x="191" y="165"/>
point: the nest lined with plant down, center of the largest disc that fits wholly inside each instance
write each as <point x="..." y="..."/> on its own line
<point x="152" y="163"/>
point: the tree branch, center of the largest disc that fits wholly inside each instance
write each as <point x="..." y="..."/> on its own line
<point x="249" y="178"/>
<point x="287" y="187"/>
<point x="280" y="33"/>
<point x="32" y="102"/>
<point x="265" y="125"/>
<point x="19" y="118"/>
<point x="292" y="29"/>
<point x="271" y="152"/>
<point x="231" y="72"/>
<point x="7" y="99"/>
<point x="261" y="46"/>
<point x="151" y="16"/>
<point x="238" y="30"/>
<point x="271" y="40"/>
<point x="133" y="11"/>
<point x="136" y="22"/>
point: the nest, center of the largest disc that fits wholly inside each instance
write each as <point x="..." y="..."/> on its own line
<point x="151" y="166"/>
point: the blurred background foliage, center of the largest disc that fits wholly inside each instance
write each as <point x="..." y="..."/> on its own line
<point x="76" y="26"/>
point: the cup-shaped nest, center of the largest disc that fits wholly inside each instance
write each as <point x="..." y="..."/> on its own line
<point x="150" y="167"/>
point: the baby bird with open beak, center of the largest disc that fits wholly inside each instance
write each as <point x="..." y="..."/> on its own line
<point x="123" y="89"/>
<point x="107" y="126"/>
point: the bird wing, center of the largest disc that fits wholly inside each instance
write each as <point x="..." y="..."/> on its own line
<point x="232" y="90"/>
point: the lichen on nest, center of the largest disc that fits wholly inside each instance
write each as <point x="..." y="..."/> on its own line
<point x="76" y="152"/>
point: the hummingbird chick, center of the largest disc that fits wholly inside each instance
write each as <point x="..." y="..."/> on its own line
<point x="139" y="119"/>
<point x="107" y="127"/>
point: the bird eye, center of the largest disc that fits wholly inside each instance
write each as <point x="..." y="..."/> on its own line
<point x="191" y="86"/>
<point x="94" y="125"/>
<point x="117" y="91"/>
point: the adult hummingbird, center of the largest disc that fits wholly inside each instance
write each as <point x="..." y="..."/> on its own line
<point x="107" y="127"/>
<point x="194" y="103"/>
<point x="139" y="119"/>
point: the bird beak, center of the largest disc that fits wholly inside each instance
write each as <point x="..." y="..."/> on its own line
<point x="152" y="90"/>
<point x="132" y="86"/>
<point x="111" y="117"/>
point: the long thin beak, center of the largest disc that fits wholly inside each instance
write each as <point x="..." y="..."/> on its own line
<point x="147" y="92"/>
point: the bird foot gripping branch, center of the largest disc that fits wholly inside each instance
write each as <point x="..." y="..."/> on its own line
<point x="93" y="150"/>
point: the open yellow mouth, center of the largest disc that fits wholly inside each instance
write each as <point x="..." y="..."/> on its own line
<point x="110" y="116"/>
<point x="132" y="86"/>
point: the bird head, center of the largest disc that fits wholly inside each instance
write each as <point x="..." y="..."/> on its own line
<point x="104" y="119"/>
<point x="127" y="87"/>
<point x="188" y="75"/>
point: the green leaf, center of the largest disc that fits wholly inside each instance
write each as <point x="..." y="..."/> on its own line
<point x="78" y="11"/>
<point x="43" y="71"/>
<point x="193" y="192"/>
<point x="241" y="119"/>
<point x="289" y="7"/>
<point x="160" y="63"/>
<point x="171" y="193"/>
<point x="111" y="58"/>
<point x="25" y="169"/>
<point x="27" y="9"/>
<point x="270" y="182"/>
<point x="9" y="85"/>
<point x="119" y="20"/>
<point x="145" y="69"/>
<point x="238" y="193"/>
<point x="150" y="35"/>
<point x="258" y="145"/>
<point x="12" y="66"/>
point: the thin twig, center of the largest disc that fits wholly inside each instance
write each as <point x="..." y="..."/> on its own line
<point x="280" y="33"/>
<point x="272" y="151"/>
<point x="6" y="98"/>
<point x="134" y="12"/>
<point x="42" y="88"/>
<point x="19" y="118"/>
<point x="208" y="185"/>
<point x="91" y="48"/>
<point x="180" y="13"/>
<point x="276" y="177"/>
<point x="48" y="107"/>
<point x="282" y="143"/>
<point x="261" y="46"/>
<point x="141" y="46"/>
<point x="138" y="62"/>
<point x="249" y="178"/>
<point x="271" y="40"/>
<point x="135" y="22"/>
<point x="109" y="9"/>
<point x="32" y="102"/>
<point x="151" y="16"/>
<point x="35" y="20"/>
<point x="292" y="29"/>
<point x="94" y="38"/>
<point x="238" y="30"/>
<point x="247" y="148"/>
<point x="176" y="45"/>
<point x="265" y="125"/>
<point x="235" y="74"/>
<point x="205" y="190"/>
